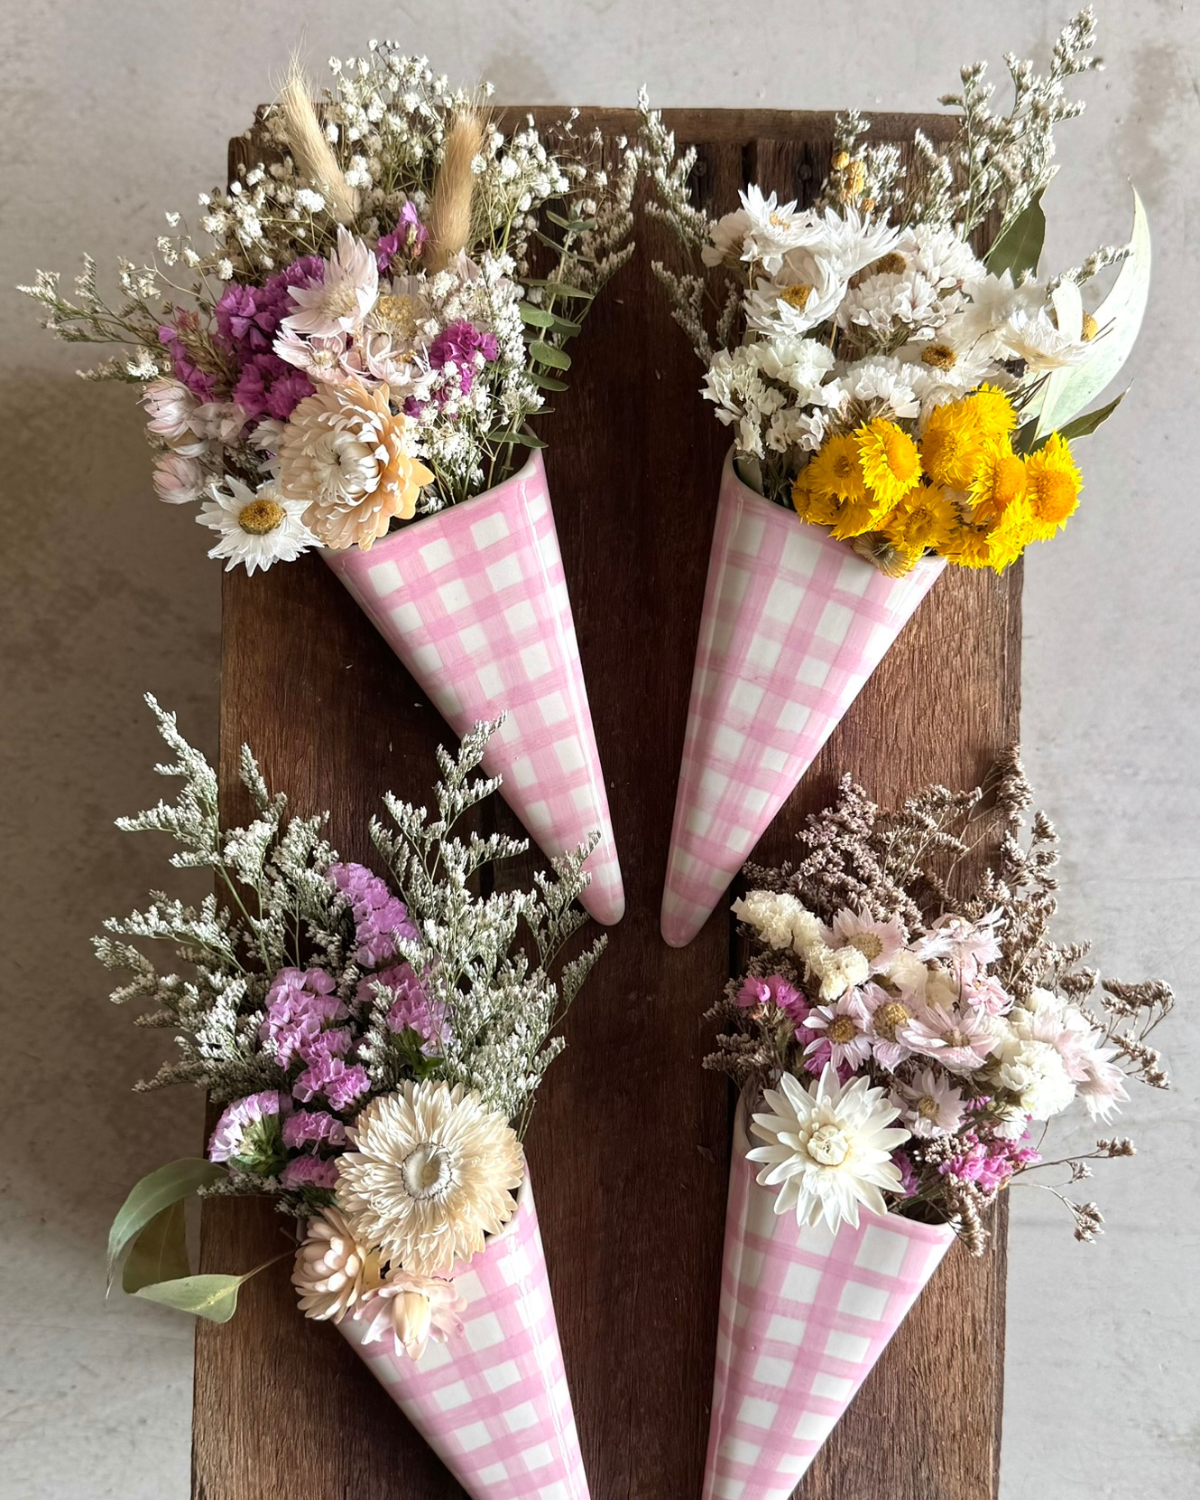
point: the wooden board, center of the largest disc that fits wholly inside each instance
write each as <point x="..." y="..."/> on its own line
<point x="630" y="1141"/>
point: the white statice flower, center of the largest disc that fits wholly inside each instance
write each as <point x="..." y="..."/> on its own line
<point x="743" y="399"/>
<point x="802" y="364"/>
<point x="880" y="304"/>
<point x="179" y="478"/>
<point x="939" y="254"/>
<point x="828" y="1151"/>
<point x="773" y="915"/>
<point x="909" y="975"/>
<point x="257" y="527"/>
<point x="879" y="382"/>
<point x="431" y="1174"/>
<point x="929" y="1103"/>
<point x="344" y="297"/>
<point x="804" y="427"/>
<point x="1035" y="1072"/>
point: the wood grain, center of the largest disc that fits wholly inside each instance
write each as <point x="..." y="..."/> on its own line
<point x="629" y="1144"/>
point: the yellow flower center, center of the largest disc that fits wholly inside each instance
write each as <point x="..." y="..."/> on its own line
<point x="940" y="356"/>
<point x="869" y="944"/>
<point x="341" y="300"/>
<point x="842" y="1030"/>
<point x="957" y="1038"/>
<point x="856" y="179"/>
<point x="927" y="1107"/>
<point x="261" y="516"/>
<point x="841" y="161"/>
<point x="398" y="313"/>
<point x="888" y="1017"/>
<point x="779" y="221"/>
<point x="891" y="264"/>
<point x="797" y="296"/>
<point x="1090" y="328"/>
<point x="1053" y="495"/>
<point x="828" y="1145"/>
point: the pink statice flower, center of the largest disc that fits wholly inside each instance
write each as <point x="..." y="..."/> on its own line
<point x="879" y="941"/>
<point x="958" y="1038"/>
<point x="300" y="1006"/>
<point x="929" y="1103"/>
<point x="378" y="915"/>
<point x="988" y="1160"/>
<point x="343" y="1084"/>
<point x="775" y="991"/>
<point x="309" y="1171"/>
<point x="304" y="1127"/>
<point x="844" y="1028"/>
<point x="248" y="1133"/>
<point x="405" y="242"/>
<point x="888" y="1017"/>
<point x="909" y="1181"/>
<point x="180" y="338"/>
<point x="412" y="1008"/>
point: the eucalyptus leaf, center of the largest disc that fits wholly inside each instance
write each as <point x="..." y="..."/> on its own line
<point x="167" y="1185"/>
<point x="565" y="326"/>
<point x="1019" y="248"/>
<point x="1082" y="426"/>
<point x="1025" y="437"/>
<point x="1118" y="319"/>
<point x="576" y="225"/>
<point x="545" y="382"/>
<point x="561" y="289"/>
<point x="547" y="354"/>
<point x="160" y="1251"/>
<point x="212" y="1296"/>
<point x="538" y="316"/>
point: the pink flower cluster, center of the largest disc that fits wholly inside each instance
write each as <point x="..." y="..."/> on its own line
<point x="411" y="1010"/>
<point x="378" y="915"/>
<point x="988" y="1160"/>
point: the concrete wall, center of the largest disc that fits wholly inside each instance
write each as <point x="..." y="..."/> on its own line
<point x="118" y="111"/>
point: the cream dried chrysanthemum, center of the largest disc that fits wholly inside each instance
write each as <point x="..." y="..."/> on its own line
<point x="413" y="1309"/>
<point x="433" y="1172"/>
<point x="828" y="1151"/>
<point x="346" y="453"/>
<point x="332" y="1272"/>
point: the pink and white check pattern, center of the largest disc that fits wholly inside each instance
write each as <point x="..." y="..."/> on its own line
<point x="474" y="603"/>
<point x="493" y="1404"/>
<point x="804" y="1316"/>
<point x="793" y="625"/>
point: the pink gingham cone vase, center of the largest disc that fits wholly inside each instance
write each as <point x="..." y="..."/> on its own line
<point x="804" y="1315"/>
<point x="493" y="1402"/>
<point x="793" y="624"/>
<point x="473" y="601"/>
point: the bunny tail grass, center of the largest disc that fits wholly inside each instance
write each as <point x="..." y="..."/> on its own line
<point x="310" y="149"/>
<point x="450" y="210"/>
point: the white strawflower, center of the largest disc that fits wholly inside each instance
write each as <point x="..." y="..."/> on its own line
<point x="432" y="1173"/>
<point x="345" y="296"/>
<point x="828" y="1151"/>
<point x="412" y="1310"/>
<point x="1035" y="1072"/>
<point x="332" y="1273"/>
<point x="170" y="407"/>
<point x="257" y="528"/>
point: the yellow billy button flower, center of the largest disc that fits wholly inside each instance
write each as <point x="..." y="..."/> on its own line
<point x="834" y="473"/>
<point x="888" y="459"/>
<point x="968" y="547"/>
<point x="999" y="484"/>
<point x="1011" y="534"/>
<point x="1052" y="485"/>
<point x="993" y="413"/>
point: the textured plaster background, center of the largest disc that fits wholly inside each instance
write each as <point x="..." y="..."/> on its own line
<point x="117" y="111"/>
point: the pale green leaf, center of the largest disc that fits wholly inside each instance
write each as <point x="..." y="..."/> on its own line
<point x="1019" y="248"/>
<point x="1081" y="426"/>
<point x="538" y="316"/>
<point x="211" y="1296"/>
<point x="160" y="1252"/>
<point x="545" y="382"/>
<point x="1118" y="318"/>
<point x="547" y="354"/>
<point x="169" y="1184"/>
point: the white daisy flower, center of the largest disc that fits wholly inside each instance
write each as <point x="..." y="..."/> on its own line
<point x="257" y="528"/>
<point x="829" y="1151"/>
<point x="929" y="1103"/>
<point x="804" y="292"/>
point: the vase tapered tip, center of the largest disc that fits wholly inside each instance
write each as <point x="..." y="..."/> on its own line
<point x="681" y="920"/>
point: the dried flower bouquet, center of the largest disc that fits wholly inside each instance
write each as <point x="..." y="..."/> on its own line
<point x="902" y="1038"/>
<point x="386" y="299"/>
<point x="897" y="375"/>
<point x="376" y="1045"/>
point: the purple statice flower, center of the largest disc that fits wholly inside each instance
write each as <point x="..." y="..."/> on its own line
<point x="406" y="240"/>
<point x="412" y="1009"/>
<point x="248" y="318"/>
<point x="775" y="990"/>
<point x="309" y="1171"/>
<point x="312" y="1127"/>
<point x="988" y="1161"/>
<point x="341" y="1083"/>
<point x="300" y="1005"/>
<point x="900" y="1160"/>
<point x="201" y="383"/>
<point x="378" y="915"/>
<point x="268" y="386"/>
<point x="248" y="1133"/>
<point x="458" y="345"/>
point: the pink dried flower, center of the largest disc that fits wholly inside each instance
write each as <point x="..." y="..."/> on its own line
<point x="958" y="1038"/>
<point x="248" y="1132"/>
<point x="888" y="1016"/>
<point x="378" y="915"/>
<point x="343" y="1084"/>
<point x="412" y="1309"/>
<point x="878" y="941"/>
<point x="775" y="990"/>
<point x="309" y="1171"/>
<point x="300" y="1005"/>
<point x="929" y="1103"/>
<point x="845" y="1027"/>
<point x="312" y="1127"/>
<point x="412" y="1008"/>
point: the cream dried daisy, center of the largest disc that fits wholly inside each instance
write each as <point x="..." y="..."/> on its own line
<point x="332" y="1272"/>
<point x="346" y="453"/>
<point x="433" y="1172"/>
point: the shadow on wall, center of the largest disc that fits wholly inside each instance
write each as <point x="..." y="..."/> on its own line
<point x="106" y="595"/>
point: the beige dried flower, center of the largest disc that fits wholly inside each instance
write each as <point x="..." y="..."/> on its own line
<point x="332" y="1272"/>
<point x="449" y="221"/>
<point x="345" y="452"/>
<point x="432" y="1174"/>
<point x="412" y="1309"/>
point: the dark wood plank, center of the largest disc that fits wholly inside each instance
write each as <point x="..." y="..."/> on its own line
<point x="629" y="1145"/>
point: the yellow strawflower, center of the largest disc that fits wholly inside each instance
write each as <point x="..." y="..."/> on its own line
<point x="888" y="459"/>
<point x="1052" y="483"/>
<point x="952" y="446"/>
<point x="855" y="517"/>
<point x="926" y="518"/>
<point x="968" y="547"/>
<point x="834" y="473"/>
<point x="993" y="412"/>
<point x="1011" y="534"/>
<point x="999" y="482"/>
